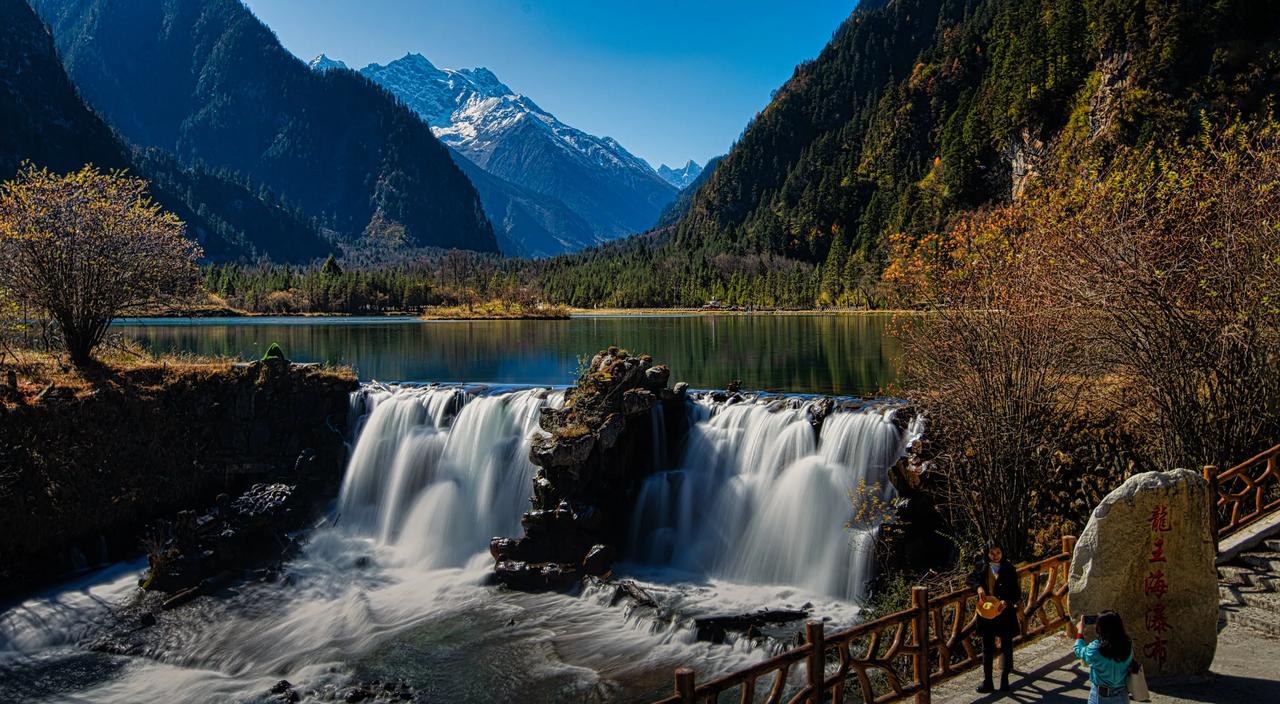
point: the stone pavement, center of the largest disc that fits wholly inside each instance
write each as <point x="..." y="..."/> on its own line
<point x="1246" y="667"/>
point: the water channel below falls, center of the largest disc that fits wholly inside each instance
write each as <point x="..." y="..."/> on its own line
<point x="749" y="512"/>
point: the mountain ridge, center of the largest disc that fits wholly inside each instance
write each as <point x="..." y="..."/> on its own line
<point x="210" y="83"/>
<point x="681" y="177"/>
<point x="44" y="122"/>
<point x="512" y="138"/>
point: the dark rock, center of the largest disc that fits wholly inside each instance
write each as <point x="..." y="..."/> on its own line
<point x="734" y="386"/>
<point x="591" y="457"/>
<point x="147" y="620"/>
<point x="194" y="554"/>
<point x="715" y="628"/>
<point x="638" y="401"/>
<point x="599" y="560"/>
<point x="560" y="451"/>
<point x="281" y="687"/>
<point x="611" y="430"/>
<point x="656" y="378"/>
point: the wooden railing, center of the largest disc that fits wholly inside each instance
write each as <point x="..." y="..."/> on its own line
<point x="896" y="656"/>
<point x="1246" y="492"/>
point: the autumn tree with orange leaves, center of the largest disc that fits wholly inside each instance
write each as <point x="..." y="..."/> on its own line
<point x="1147" y="288"/>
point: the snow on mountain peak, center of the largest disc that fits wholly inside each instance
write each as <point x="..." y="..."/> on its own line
<point x="681" y="177"/>
<point x="471" y="110"/>
<point x="322" y="64"/>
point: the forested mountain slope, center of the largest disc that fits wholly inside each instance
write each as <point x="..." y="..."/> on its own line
<point x="919" y="109"/>
<point x="43" y="121"/>
<point x="209" y="82"/>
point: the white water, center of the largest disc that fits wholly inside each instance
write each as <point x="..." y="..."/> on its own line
<point x="398" y="585"/>
<point x="760" y="498"/>
<point x="436" y="471"/>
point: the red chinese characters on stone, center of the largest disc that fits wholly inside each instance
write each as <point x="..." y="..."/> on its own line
<point x="1157" y="650"/>
<point x="1157" y="551"/>
<point x="1157" y="621"/>
<point x="1160" y="519"/>
<point x="1156" y="586"/>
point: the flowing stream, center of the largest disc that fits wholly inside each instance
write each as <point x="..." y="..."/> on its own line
<point x="754" y="510"/>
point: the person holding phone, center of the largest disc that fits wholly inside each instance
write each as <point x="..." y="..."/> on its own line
<point x="1109" y="658"/>
<point x="995" y="576"/>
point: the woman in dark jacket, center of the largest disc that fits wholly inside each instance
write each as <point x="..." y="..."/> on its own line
<point x="997" y="576"/>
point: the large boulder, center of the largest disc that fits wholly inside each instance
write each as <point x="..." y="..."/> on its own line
<point x="1148" y="554"/>
<point x="591" y="456"/>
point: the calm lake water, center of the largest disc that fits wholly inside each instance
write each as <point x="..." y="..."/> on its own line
<point x="826" y="354"/>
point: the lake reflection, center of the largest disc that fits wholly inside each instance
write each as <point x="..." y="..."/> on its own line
<point x="828" y="354"/>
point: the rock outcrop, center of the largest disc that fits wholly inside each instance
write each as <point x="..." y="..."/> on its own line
<point x="1148" y="554"/>
<point x="591" y="455"/>
<point x="193" y="551"/>
<point x="81" y="476"/>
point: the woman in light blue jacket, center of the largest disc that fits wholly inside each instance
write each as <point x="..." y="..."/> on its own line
<point x="1108" y="658"/>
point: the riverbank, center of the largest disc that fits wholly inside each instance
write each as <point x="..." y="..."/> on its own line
<point x="89" y="458"/>
<point x="494" y="310"/>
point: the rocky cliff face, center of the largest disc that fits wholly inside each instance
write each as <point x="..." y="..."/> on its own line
<point x="81" y="476"/>
<point x="591" y="455"/>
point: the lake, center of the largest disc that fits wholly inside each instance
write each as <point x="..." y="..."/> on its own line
<point x="818" y="354"/>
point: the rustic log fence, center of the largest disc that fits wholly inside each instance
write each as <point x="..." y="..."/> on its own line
<point x="904" y="654"/>
<point x="896" y="656"/>
<point x="1246" y="492"/>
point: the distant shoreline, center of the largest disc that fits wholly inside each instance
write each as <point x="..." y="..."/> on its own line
<point x="456" y="314"/>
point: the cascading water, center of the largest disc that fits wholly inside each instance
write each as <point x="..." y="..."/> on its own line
<point x="760" y="497"/>
<point x="437" y="471"/>
<point x="394" y="584"/>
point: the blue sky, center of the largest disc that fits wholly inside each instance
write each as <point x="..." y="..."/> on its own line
<point x="669" y="79"/>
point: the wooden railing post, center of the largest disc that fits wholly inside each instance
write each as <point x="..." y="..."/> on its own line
<point x="685" y="684"/>
<point x="1211" y="476"/>
<point x="815" y="667"/>
<point x="923" y="665"/>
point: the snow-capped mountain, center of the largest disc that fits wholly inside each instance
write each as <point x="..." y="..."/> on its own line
<point x="614" y="192"/>
<point x="322" y="63"/>
<point x="682" y="177"/>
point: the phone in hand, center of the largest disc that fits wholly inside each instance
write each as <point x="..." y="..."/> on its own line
<point x="1090" y="619"/>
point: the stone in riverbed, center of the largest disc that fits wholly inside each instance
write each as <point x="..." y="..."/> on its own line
<point x="637" y="401"/>
<point x="1148" y="554"/>
<point x="599" y="560"/>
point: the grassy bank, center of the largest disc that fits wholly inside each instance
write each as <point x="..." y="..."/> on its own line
<point x="496" y="310"/>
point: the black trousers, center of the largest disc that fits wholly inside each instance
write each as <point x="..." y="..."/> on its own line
<point x="989" y="653"/>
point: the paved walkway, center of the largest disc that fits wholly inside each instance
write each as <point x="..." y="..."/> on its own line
<point x="1246" y="670"/>
<point x="1246" y="666"/>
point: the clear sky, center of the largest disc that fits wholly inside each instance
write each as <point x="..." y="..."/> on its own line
<point x="670" y="79"/>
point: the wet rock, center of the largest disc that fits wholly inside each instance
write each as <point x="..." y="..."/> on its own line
<point x="611" y="430"/>
<point x="638" y="401"/>
<point x="591" y="455"/>
<point x="656" y="378"/>
<point x="560" y="450"/>
<point x="195" y="553"/>
<point x="281" y="687"/>
<point x="599" y="560"/>
<point x="627" y="589"/>
<point x="715" y="628"/>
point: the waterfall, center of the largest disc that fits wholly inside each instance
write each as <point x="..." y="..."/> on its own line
<point x="437" y="471"/>
<point x="757" y="496"/>
<point x="760" y="498"/>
